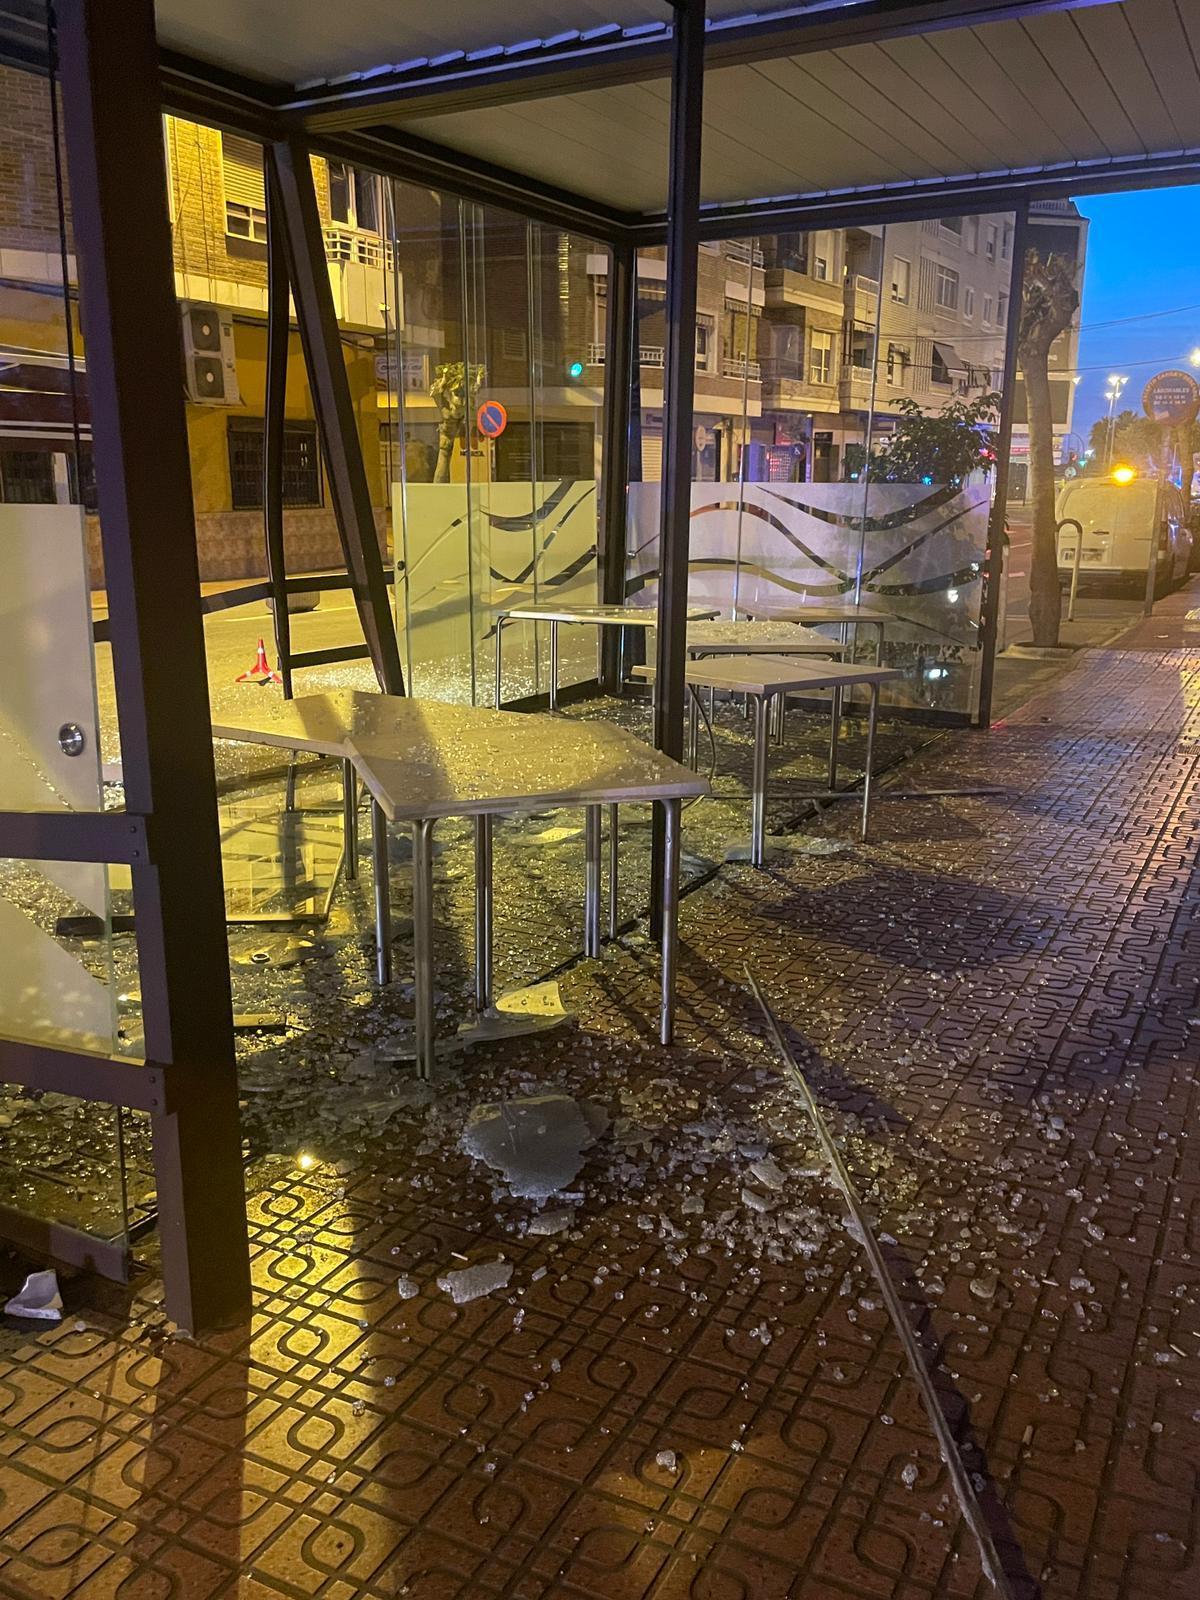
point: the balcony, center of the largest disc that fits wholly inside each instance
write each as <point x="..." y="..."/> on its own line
<point x="649" y="355"/>
<point x="359" y="262"/>
<point x="854" y="386"/>
<point x="739" y="250"/>
<point x="739" y="367"/>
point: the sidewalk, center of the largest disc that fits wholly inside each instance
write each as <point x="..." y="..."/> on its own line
<point x="689" y="1393"/>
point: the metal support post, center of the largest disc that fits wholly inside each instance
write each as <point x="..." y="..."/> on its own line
<point x="619" y="351"/>
<point x="670" y="919"/>
<point x="383" y="895"/>
<point x="483" y="913"/>
<point x="994" y="570"/>
<point x="422" y="879"/>
<point x="499" y="625"/>
<point x="278" y="333"/>
<point x="591" y="891"/>
<point x="868" y="771"/>
<point x="679" y="384"/>
<point x="758" y="788"/>
<point x="835" y="732"/>
<point x="289" y="171"/>
<point x="350" y="819"/>
<point x="112" y="118"/>
<point x="553" y="666"/>
<point x="614" y="867"/>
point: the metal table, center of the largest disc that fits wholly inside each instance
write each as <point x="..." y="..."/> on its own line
<point x="423" y="760"/>
<point x="741" y="638"/>
<point x="599" y="616"/>
<point x="849" y="616"/>
<point x="762" y="678"/>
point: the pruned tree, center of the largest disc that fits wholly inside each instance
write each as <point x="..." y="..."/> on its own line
<point x="453" y="391"/>
<point x="1048" y="302"/>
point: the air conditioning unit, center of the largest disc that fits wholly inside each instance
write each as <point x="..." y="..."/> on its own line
<point x="210" y="366"/>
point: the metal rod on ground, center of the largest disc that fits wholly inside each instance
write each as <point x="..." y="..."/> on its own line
<point x="968" y="1502"/>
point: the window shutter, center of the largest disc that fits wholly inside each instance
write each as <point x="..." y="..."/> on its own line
<point x="242" y="171"/>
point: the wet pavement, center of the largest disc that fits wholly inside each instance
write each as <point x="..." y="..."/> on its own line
<point x="689" y="1386"/>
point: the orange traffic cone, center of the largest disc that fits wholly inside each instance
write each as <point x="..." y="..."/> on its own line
<point x="260" y="672"/>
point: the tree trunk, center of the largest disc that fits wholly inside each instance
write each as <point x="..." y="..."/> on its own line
<point x="1045" y="596"/>
<point x="447" y="434"/>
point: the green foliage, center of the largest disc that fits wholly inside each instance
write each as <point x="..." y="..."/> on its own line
<point x="1136" y="439"/>
<point x="934" y="447"/>
<point x="453" y="391"/>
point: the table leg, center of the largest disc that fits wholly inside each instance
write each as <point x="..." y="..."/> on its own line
<point x="383" y="897"/>
<point x="591" y="892"/>
<point x="693" y="748"/>
<point x="422" y="878"/>
<point x="835" y="733"/>
<point x="483" y="913"/>
<point x="879" y="644"/>
<point x="670" y="920"/>
<point x="554" y="666"/>
<point x="758" y="796"/>
<point x="350" y="819"/>
<point x="872" y="715"/>
<point x="289" y="792"/>
<point x="780" y="712"/>
<point x="499" y="633"/>
<point x="614" y="851"/>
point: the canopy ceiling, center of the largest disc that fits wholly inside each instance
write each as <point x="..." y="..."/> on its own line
<point x="1089" y="81"/>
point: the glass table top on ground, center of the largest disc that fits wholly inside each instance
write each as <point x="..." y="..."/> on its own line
<point x="423" y="760"/>
<point x="599" y="616"/>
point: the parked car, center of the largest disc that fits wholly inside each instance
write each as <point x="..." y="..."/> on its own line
<point x="1126" y="521"/>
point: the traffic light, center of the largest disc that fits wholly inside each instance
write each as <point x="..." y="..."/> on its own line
<point x="574" y="370"/>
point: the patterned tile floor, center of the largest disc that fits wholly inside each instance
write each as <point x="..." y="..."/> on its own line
<point x="994" y="1002"/>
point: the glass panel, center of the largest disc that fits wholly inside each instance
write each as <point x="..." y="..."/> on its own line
<point x="499" y="326"/>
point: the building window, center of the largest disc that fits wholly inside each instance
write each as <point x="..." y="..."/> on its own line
<point x="901" y="279"/>
<point x="953" y="225"/>
<point x="968" y="301"/>
<point x="945" y="288"/>
<point x="1006" y="243"/>
<point x="971" y="234"/>
<point x="27" y="477"/>
<point x="989" y="241"/>
<point x="353" y="197"/>
<point x="897" y="365"/>
<point x="988" y="306"/>
<point x="704" y="344"/>
<point x="1002" y="310"/>
<point x="820" y="365"/>
<point x="242" y="179"/>
<point x="820" y="268"/>
<point x="301" y="464"/>
<point x="939" y="371"/>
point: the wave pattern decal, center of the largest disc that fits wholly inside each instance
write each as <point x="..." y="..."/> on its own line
<point x="914" y="551"/>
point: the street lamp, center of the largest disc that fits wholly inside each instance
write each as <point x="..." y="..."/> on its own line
<point x="1116" y="382"/>
<point x="1194" y="358"/>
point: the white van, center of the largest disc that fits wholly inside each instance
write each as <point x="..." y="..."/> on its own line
<point x="1123" y="519"/>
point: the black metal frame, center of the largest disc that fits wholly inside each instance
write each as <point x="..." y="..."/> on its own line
<point x="274" y="427"/>
<point x="993" y="577"/>
<point x="679" y="388"/>
<point x="112" y="128"/>
<point x="620" y="346"/>
<point x="294" y="204"/>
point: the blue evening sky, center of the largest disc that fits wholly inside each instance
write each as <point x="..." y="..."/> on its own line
<point x="1143" y="256"/>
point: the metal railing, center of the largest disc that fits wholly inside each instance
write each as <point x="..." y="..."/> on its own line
<point x="343" y="243"/>
<point x="649" y="355"/>
<point x="736" y="367"/>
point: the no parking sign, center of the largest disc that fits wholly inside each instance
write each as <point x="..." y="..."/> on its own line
<point x="491" y="419"/>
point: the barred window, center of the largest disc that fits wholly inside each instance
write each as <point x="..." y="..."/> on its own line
<point x="301" y="464"/>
